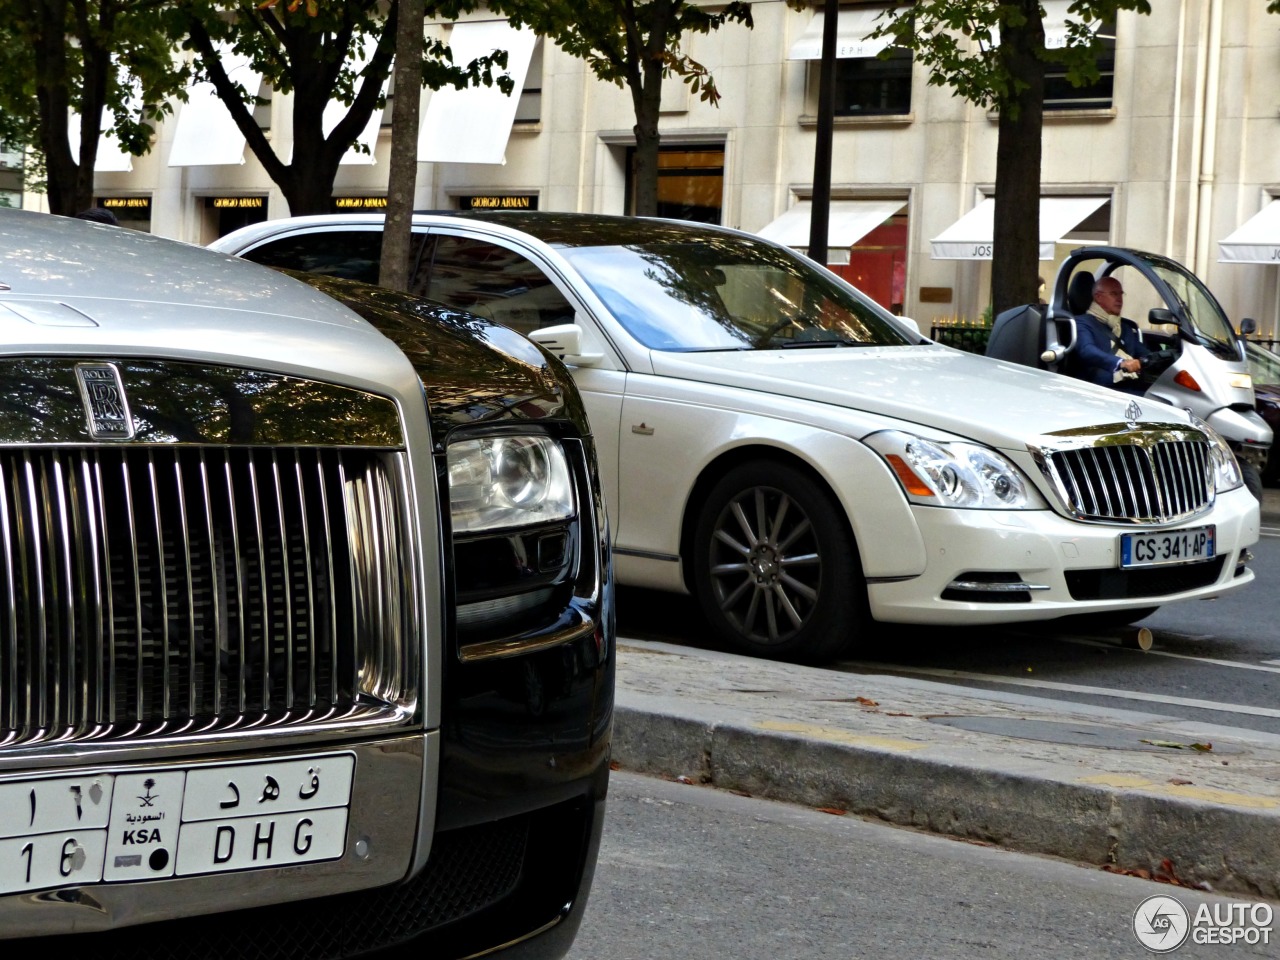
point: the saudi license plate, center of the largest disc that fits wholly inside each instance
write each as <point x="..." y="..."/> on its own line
<point x="173" y="821"/>
<point x="1166" y="547"/>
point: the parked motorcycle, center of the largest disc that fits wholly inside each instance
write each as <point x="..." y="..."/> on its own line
<point x="1199" y="361"/>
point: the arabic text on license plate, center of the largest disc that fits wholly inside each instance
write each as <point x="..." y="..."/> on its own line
<point x="174" y="821"/>
<point x="1166" y="547"/>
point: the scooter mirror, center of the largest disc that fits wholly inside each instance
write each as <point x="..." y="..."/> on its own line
<point x="1160" y="315"/>
<point x="1247" y="326"/>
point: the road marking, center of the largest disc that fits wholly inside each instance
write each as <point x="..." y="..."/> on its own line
<point x="1270" y="531"/>
<point x="1191" y="792"/>
<point x="841" y="736"/>
<point x="1239" y="708"/>
<point x="1266" y="666"/>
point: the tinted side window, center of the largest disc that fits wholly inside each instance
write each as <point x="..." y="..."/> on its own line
<point x="351" y="254"/>
<point x="493" y="282"/>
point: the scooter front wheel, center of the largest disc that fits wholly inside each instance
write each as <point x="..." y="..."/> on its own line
<point x="1252" y="479"/>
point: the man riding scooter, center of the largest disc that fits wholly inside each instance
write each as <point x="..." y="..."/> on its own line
<point x="1200" y="365"/>
<point x="1109" y="350"/>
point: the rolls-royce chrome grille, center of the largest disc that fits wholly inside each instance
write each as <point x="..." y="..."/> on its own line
<point x="1143" y="477"/>
<point x="187" y="590"/>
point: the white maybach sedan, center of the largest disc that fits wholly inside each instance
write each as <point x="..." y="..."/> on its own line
<point x="801" y="460"/>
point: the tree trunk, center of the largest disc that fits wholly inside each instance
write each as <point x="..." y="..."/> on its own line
<point x="1016" y="240"/>
<point x="397" y="234"/>
<point x="646" y="98"/>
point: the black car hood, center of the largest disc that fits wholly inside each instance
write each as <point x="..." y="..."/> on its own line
<point x="472" y="369"/>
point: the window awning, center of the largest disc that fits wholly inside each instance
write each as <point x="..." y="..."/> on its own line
<point x="206" y="135"/>
<point x="852" y="27"/>
<point x="472" y="125"/>
<point x="969" y="238"/>
<point x="110" y="157"/>
<point x="335" y="110"/>
<point x="1055" y="24"/>
<point x="848" y="221"/>
<point x="1257" y="240"/>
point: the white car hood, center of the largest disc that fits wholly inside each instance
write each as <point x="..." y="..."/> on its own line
<point x="993" y="402"/>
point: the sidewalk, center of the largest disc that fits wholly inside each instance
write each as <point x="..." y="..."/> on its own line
<point x="1090" y="784"/>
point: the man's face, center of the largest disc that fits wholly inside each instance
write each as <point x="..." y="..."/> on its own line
<point x="1110" y="296"/>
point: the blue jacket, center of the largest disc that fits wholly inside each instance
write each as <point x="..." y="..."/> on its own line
<point x="1095" y="352"/>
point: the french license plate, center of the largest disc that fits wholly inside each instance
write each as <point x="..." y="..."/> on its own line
<point x="172" y="822"/>
<point x="1166" y="547"/>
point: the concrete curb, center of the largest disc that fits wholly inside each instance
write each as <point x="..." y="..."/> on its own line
<point x="973" y="788"/>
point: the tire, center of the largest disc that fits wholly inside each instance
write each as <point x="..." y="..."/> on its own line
<point x="776" y="571"/>
<point x="1252" y="479"/>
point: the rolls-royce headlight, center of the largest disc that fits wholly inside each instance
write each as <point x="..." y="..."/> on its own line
<point x="508" y="481"/>
<point x="955" y="474"/>
<point x="1226" y="470"/>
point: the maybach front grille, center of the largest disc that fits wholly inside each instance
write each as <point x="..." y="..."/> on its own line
<point x="152" y="590"/>
<point x="1159" y="482"/>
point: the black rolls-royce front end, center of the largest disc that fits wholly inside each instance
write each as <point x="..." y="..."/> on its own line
<point x="306" y="626"/>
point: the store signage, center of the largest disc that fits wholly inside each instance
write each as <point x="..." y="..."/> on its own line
<point x="125" y="203"/>
<point x="237" y="203"/>
<point x="359" y="203"/>
<point x="498" y="202"/>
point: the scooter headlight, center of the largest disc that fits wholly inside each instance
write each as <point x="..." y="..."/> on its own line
<point x="1227" y="474"/>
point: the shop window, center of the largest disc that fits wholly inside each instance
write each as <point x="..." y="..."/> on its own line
<point x="872" y="86"/>
<point x="690" y="183"/>
<point x="1059" y="94"/>
<point x="878" y="264"/>
<point x="132" y="212"/>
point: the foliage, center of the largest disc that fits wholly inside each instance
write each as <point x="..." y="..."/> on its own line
<point x="84" y="56"/>
<point x="312" y="51"/>
<point x="958" y="40"/>
<point x="993" y="54"/>
<point x="632" y="44"/>
<point x="617" y="39"/>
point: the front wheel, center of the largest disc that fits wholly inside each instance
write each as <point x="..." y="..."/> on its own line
<point x="1252" y="479"/>
<point x="776" y="571"/>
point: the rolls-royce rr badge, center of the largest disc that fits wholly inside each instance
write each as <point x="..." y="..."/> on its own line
<point x="105" y="403"/>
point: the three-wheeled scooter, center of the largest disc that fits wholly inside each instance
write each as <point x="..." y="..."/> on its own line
<point x="1199" y="362"/>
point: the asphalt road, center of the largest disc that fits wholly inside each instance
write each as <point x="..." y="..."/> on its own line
<point x="1213" y="661"/>
<point x="701" y="874"/>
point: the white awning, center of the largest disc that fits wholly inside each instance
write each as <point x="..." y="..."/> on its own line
<point x="206" y="135"/>
<point x="472" y="125"/>
<point x="852" y="27"/>
<point x="848" y="221"/>
<point x="1055" y="23"/>
<point x="335" y="110"/>
<point x="1257" y="240"/>
<point x="969" y="238"/>
<point x="110" y="158"/>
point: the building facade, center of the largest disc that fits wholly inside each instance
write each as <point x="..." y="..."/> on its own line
<point x="1173" y="151"/>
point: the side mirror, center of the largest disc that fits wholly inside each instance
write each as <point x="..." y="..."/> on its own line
<point x="1159" y="316"/>
<point x="565" y="342"/>
<point x="1247" y="326"/>
<point x="911" y="325"/>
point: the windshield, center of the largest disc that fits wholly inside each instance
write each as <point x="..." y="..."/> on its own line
<point x="1264" y="366"/>
<point x="718" y="292"/>
<point x="1211" y="326"/>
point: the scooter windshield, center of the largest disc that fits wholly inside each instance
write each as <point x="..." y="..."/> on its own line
<point x="1211" y="327"/>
